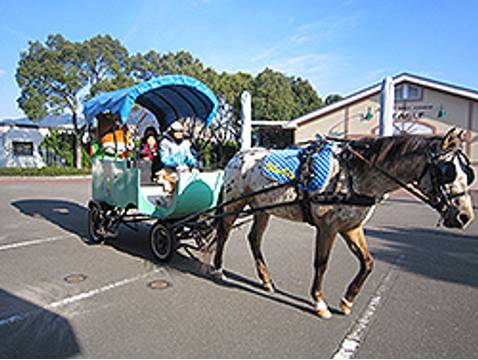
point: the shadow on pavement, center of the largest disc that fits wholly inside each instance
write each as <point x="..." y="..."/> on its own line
<point x="437" y="254"/>
<point x="34" y="332"/>
<point x="192" y="265"/>
<point x="72" y="217"/>
<point x="68" y="215"/>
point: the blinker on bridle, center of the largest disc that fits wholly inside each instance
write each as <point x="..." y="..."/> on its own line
<point x="445" y="170"/>
<point x="442" y="173"/>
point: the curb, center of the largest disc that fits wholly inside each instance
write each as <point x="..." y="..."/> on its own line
<point x="66" y="177"/>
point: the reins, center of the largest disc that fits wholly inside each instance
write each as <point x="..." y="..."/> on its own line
<point x="441" y="203"/>
<point x="324" y="198"/>
<point x="410" y="188"/>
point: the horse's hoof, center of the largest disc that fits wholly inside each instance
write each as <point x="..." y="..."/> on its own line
<point x="324" y="314"/>
<point x="322" y="310"/>
<point x="269" y="287"/>
<point x="218" y="274"/>
<point x="345" y="307"/>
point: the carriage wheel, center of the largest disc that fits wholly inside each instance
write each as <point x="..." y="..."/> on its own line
<point x="163" y="242"/>
<point x="95" y="233"/>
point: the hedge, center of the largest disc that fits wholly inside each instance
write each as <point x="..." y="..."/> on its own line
<point x="46" y="171"/>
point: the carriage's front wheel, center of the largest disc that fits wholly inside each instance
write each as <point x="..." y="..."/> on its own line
<point x="163" y="242"/>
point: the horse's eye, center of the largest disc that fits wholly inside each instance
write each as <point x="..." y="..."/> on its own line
<point x="446" y="172"/>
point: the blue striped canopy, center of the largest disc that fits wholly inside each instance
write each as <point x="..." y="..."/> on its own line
<point x="168" y="97"/>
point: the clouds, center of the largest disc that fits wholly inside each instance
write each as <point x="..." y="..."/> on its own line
<point x="16" y="33"/>
<point x="309" y="50"/>
<point x="2" y="72"/>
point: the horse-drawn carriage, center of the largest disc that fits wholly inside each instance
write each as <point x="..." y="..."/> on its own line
<point x="122" y="190"/>
<point x="333" y="184"/>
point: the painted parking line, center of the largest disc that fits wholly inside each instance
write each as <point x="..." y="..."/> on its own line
<point x="76" y="298"/>
<point x="352" y="341"/>
<point x="33" y="242"/>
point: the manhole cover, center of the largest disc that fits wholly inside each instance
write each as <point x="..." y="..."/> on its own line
<point x="159" y="284"/>
<point x="75" y="278"/>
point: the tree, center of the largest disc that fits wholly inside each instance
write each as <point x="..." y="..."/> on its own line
<point x="106" y="64"/>
<point x="230" y="87"/>
<point x="151" y="64"/>
<point x="330" y="99"/>
<point x="273" y="97"/>
<point x="306" y="97"/>
<point x="50" y="77"/>
<point x="53" y="77"/>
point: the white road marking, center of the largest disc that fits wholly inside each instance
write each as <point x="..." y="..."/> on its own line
<point x="76" y="298"/>
<point x="32" y="242"/>
<point x="351" y="342"/>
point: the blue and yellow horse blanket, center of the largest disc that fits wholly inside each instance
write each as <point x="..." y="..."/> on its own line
<point x="283" y="166"/>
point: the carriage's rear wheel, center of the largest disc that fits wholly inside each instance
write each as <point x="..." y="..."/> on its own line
<point x="95" y="229"/>
<point x="163" y="242"/>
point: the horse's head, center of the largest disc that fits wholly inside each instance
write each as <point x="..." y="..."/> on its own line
<point x="447" y="179"/>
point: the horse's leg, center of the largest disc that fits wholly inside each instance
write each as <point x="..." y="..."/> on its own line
<point x="255" y="239"/>
<point x="355" y="239"/>
<point x="225" y="227"/>
<point x="323" y="243"/>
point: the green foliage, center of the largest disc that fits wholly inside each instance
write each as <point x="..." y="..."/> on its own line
<point x="53" y="76"/>
<point x="330" y="99"/>
<point x="278" y="97"/>
<point x="273" y="98"/>
<point x="46" y="171"/>
<point x="306" y="97"/>
<point x="56" y="76"/>
<point x="49" y="77"/>
<point x="106" y="64"/>
<point x="215" y="156"/>
<point x="151" y="64"/>
<point x="62" y="144"/>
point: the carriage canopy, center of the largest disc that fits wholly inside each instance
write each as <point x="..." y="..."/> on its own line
<point x="168" y="97"/>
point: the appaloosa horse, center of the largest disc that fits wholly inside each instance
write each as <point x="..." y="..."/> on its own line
<point x="435" y="164"/>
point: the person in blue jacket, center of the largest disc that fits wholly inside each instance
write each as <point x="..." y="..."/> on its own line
<point x="176" y="155"/>
<point x="175" y="151"/>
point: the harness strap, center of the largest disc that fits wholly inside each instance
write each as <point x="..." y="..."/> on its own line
<point x="306" y="209"/>
<point x="305" y="174"/>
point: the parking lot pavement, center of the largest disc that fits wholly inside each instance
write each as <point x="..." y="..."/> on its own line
<point x="418" y="302"/>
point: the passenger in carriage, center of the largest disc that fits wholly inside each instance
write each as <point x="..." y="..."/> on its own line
<point x="149" y="144"/>
<point x="176" y="155"/>
<point x="150" y="150"/>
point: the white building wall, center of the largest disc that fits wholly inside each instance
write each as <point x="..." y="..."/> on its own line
<point x="9" y="135"/>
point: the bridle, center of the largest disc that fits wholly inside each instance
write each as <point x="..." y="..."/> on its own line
<point x="442" y="173"/>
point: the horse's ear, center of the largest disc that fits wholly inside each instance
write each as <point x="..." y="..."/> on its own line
<point x="452" y="139"/>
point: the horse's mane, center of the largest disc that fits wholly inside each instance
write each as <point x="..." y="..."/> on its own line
<point x="387" y="150"/>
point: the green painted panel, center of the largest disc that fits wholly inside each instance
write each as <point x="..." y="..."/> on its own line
<point x="114" y="182"/>
<point x="119" y="185"/>
<point x="196" y="191"/>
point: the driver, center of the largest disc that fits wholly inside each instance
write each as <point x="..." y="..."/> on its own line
<point x="176" y="155"/>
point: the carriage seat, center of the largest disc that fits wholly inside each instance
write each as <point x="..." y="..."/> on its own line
<point x="283" y="166"/>
<point x="157" y="196"/>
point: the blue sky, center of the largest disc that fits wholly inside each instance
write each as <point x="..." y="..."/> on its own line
<point x="340" y="46"/>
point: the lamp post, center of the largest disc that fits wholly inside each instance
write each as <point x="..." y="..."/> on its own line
<point x="246" y="118"/>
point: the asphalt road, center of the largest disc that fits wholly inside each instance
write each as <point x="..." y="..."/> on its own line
<point x="420" y="301"/>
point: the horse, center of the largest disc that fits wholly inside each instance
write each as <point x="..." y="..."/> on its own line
<point x="434" y="164"/>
